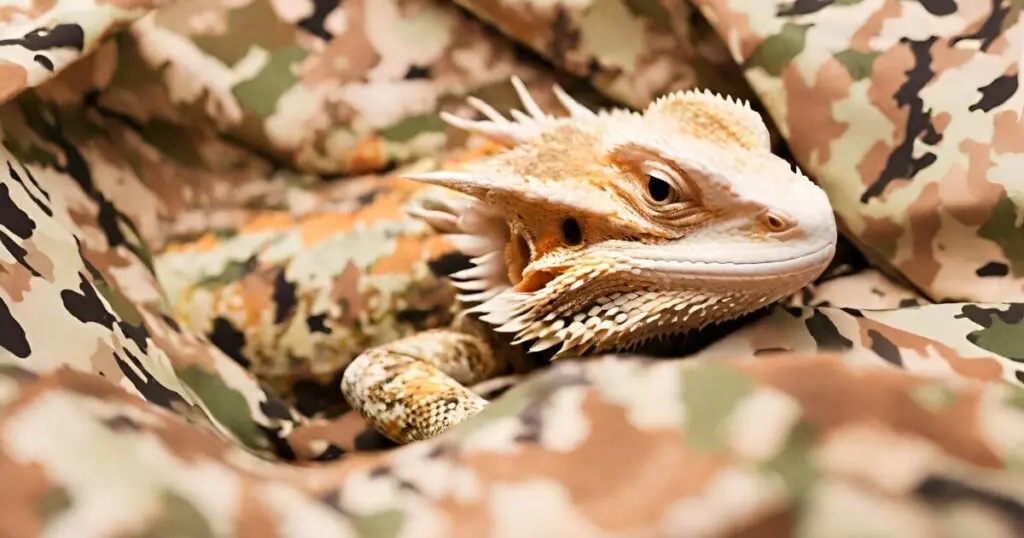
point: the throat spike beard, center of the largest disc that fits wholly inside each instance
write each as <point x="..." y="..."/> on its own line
<point x="586" y="323"/>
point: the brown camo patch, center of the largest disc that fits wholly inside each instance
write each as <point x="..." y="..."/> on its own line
<point x="887" y="75"/>
<point x="257" y="297"/>
<point x="341" y="431"/>
<point x="979" y="368"/>
<point x="732" y="24"/>
<point x="774" y="526"/>
<point x="870" y="168"/>
<point x="387" y="206"/>
<point x="408" y="251"/>
<point x="347" y="57"/>
<point x="368" y="154"/>
<point x="14" y="279"/>
<point x="834" y="395"/>
<point x="253" y="518"/>
<point x="9" y="12"/>
<point x="323" y="226"/>
<point x="945" y="58"/>
<point x="438" y="245"/>
<point x="205" y="243"/>
<point x="19" y="504"/>
<point x="346" y="291"/>
<point x="978" y="13"/>
<point x="861" y="39"/>
<point x="267" y="221"/>
<point x="39" y="260"/>
<point x="654" y="462"/>
<point x="941" y="121"/>
<point x="971" y="200"/>
<point x="130" y="4"/>
<point x="13" y="79"/>
<point x="521" y="22"/>
<point x="924" y="224"/>
<point x="812" y="125"/>
<point x="189" y="444"/>
<point x="880" y="231"/>
<point x="1009" y="132"/>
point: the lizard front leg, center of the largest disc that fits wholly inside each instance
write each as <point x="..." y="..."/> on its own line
<point x="420" y="386"/>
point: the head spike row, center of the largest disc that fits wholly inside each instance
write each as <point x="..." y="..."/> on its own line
<point x="575" y="108"/>
<point x="524" y="126"/>
<point x="505" y="133"/>
<point x="487" y="110"/>
<point x="529" y="104"/>
<point x="708" y="115"/>
<point x="444" y="178"/>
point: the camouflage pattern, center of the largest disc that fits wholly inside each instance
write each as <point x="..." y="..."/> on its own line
<point x="296" y="295"/>
<point x="683" y="448"/>
<point x="305" y="87"/>
<point x="120" y="415"/>
<point x="301" y="89"/>
<point x="39" y="38"/>
<point x="909" y="115"/>
<point x="632" y="50"/>
<point x="851" y="282"/>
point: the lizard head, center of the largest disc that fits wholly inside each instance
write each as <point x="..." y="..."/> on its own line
<point x="599" y="231"/>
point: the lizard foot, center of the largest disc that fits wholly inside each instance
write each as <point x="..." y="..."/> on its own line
<point x="414" y="388"/>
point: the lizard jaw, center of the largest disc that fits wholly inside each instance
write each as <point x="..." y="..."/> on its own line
<point x="613" y="297"/>
<point x="601" y="306"/>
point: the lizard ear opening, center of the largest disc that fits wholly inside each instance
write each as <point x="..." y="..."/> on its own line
<point x="517" y="257"/>
<point x="534" y="280"/>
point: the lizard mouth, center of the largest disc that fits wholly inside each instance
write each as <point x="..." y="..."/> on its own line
<point x="764" y="269"/>
<point x="753" y="266"/>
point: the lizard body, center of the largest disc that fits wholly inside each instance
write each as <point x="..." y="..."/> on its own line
<point x="594" y="232"/>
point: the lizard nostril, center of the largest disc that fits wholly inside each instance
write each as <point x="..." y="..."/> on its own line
<point x="776" y="222"/>
<point x="571" y="232"/>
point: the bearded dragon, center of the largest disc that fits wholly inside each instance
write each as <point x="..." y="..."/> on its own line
<point x="594" y="232"/>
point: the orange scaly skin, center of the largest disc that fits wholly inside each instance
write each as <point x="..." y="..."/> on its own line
<point x="597" y="232"/>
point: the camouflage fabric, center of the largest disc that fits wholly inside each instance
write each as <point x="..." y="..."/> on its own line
<point x="40" y="39"/>
<point x="305" y="87"/>
<point x="690" y="448"/>
<point x="909" y="116"/>
<point x="296" y="295"/>
<point x="634" y="51"/>
<point x="123" y="410"/>
<point x="302" y="87"/>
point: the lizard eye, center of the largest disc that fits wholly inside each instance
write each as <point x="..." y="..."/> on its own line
<point x="661" y="187"/>
<point x="658" y="189"/>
